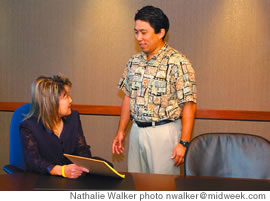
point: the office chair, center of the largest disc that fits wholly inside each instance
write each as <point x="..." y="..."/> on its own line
<point x="228" y="155"/>
<point x="16" y="158"/>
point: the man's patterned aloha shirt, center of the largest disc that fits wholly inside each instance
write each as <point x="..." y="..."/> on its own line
<point x="158" y="87"/>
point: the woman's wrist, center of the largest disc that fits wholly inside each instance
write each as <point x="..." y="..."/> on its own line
<point x="56" y="170"/>
<point x="63" y="171"/>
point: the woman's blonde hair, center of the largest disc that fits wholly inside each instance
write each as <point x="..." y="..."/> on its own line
<point x="45" y="99"/>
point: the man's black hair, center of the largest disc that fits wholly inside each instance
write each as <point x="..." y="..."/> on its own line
<point x="156" y="18"/>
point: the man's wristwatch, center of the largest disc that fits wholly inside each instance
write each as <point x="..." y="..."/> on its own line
<point x="184" y="143"/>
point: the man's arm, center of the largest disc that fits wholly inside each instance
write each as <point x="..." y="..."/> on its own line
<point x="117" y="145"/>
<point x="188" y="116"/>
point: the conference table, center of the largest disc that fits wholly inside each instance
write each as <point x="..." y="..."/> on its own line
<point x="133" y="182"/>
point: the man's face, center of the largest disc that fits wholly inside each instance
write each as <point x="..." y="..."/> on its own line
<point x="149" y="41"/>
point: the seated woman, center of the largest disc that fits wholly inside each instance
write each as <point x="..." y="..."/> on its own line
<point x="51" y="129"/>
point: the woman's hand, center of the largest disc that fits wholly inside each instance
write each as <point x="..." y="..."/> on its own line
<point x="73" y="171"/>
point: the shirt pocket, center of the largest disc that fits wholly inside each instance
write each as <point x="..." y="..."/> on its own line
<point x="158" y="87"/>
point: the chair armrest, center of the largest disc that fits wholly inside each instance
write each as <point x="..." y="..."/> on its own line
<point x="10" y="169"/>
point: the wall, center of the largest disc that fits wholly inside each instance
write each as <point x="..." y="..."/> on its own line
<point x="90" y="41"/>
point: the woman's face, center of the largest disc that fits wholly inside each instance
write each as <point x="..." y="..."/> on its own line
<point x="65" y="103"/>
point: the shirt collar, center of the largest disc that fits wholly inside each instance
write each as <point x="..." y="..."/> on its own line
<point x="51" y="132"/>
<point x="164" y="47"/>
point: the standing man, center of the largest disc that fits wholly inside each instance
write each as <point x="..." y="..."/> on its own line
<point x="159" y="86"/>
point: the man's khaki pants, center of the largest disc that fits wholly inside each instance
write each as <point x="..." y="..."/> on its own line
<point x="150" y="148"/>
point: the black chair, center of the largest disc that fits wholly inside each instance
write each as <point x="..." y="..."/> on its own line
<point x="228" y="155"/>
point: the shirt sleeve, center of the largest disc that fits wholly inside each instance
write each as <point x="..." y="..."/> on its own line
<point x="82" y="149"/>
<point x="32" y="158"/>
<point x="185" y="82"/>
<point x="124" y="80"/>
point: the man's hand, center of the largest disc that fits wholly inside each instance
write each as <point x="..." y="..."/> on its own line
<point x="117" y="145"/>
<point x="178" y="154"/>
<point x="188" y="115"/>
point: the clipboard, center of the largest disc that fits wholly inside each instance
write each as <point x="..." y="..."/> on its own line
<point x="95" y="166"/>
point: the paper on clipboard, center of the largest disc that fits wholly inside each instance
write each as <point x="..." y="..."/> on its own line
<point x="95" y="166"/>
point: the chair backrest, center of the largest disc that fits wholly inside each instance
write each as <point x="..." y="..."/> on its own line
<point x="16" y="157"/>
<point x="228" y="155"/>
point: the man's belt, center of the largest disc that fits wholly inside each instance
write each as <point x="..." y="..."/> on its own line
<point x="148" y="124"/>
